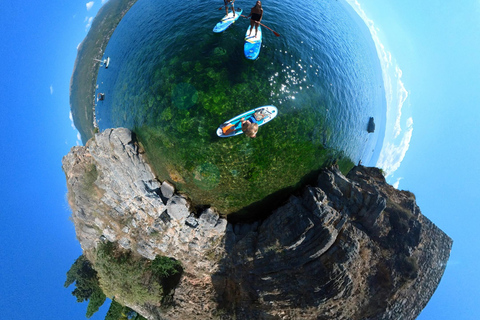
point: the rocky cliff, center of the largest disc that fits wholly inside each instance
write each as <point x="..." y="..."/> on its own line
<point x="346" y="248"/>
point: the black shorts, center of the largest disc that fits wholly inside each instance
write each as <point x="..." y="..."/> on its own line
<point x="256" y="16"/>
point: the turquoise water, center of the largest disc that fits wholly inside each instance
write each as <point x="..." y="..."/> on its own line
<point x="173" y="81"/>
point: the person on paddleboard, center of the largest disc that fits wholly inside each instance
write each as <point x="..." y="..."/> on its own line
<point x="229" y="3"/>
<point x="256" y="15"/>
<point x="250" y="129"/>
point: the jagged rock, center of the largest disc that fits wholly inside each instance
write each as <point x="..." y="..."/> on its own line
<point x="177" y="208"/>
<point x="349" y="247"/>
<point x="208" y="219"/>
<point x="124" y="243"/>
<point x="167" y="189"/>
<point x="192" y="222"/>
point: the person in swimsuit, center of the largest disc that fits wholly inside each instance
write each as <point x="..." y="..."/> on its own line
<point x="250" y="129"/>
<point x="256" y="15"/>
<point x="227" y="3"/>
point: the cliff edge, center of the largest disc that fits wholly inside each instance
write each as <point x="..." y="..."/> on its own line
<point x="348" y="247"/>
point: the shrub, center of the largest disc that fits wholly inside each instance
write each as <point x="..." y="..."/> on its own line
<point x="165" y="267"/>
<point x="134" y="279"/>
<point x="125" y="276"/>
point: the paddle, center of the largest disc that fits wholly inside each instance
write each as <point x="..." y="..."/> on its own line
<point x="277" y="34"/>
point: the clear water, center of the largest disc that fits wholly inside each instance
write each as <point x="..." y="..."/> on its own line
<point x="173" y="81"/>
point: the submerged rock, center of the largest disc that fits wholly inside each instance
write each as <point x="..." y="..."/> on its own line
<point x="348" y="247"/>
<point x="219" y="51"/>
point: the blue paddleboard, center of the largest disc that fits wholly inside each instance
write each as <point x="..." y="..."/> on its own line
<point x="233" y="127"/>
<point x="227" y="21"/>
<point x="253" y="44"/>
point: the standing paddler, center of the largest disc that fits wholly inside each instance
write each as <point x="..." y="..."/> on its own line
<point x="256" y="15"/>
<point x="229" y="3"/>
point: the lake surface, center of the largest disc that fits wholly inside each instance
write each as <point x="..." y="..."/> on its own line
<point x="173" y="81"/>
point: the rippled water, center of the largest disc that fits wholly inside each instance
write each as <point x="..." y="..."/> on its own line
<point x="173" y="81"/>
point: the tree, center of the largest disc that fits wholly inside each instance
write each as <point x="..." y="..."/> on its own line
<point x="96" y="301"/>
<point x="87" y="287"/>
<point x="115" y="312"/>
<point x="119" y="312"/>
<point x="126" y="276"/>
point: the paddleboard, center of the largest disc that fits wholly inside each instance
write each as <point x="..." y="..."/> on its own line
<point x="227" y="21"/>
<point x="233" y="127"/>
<point x="253" y="44"/>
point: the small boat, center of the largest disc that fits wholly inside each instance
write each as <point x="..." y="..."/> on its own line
<point x="105" y="62"/>
<point x="260" y="115"/>
<point x="371" y="125"/>
<point x="100" y="96"/>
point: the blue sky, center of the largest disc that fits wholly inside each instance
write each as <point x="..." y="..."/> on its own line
<point x="430" y="53"/>
<point x="434" y="46"/>
<point x="39" y="41"/>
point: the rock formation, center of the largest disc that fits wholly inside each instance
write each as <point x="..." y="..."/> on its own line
<point x="346" y="248"/>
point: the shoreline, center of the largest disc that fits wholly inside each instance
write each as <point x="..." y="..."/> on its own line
<point x="84" y="75"/>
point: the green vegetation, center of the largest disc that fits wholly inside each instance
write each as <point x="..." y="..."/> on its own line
<point x="123" y="276"/>
<point x="165" y="267"/>
<point x="129" y="278"/>
<point x="115" y="312"/>
<point x="119" y="312"/>
<point x="84" y="77"/>
<point x="96" y="301"/>
<point x="87" y="286"/>
<point x="132" y="279"/>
